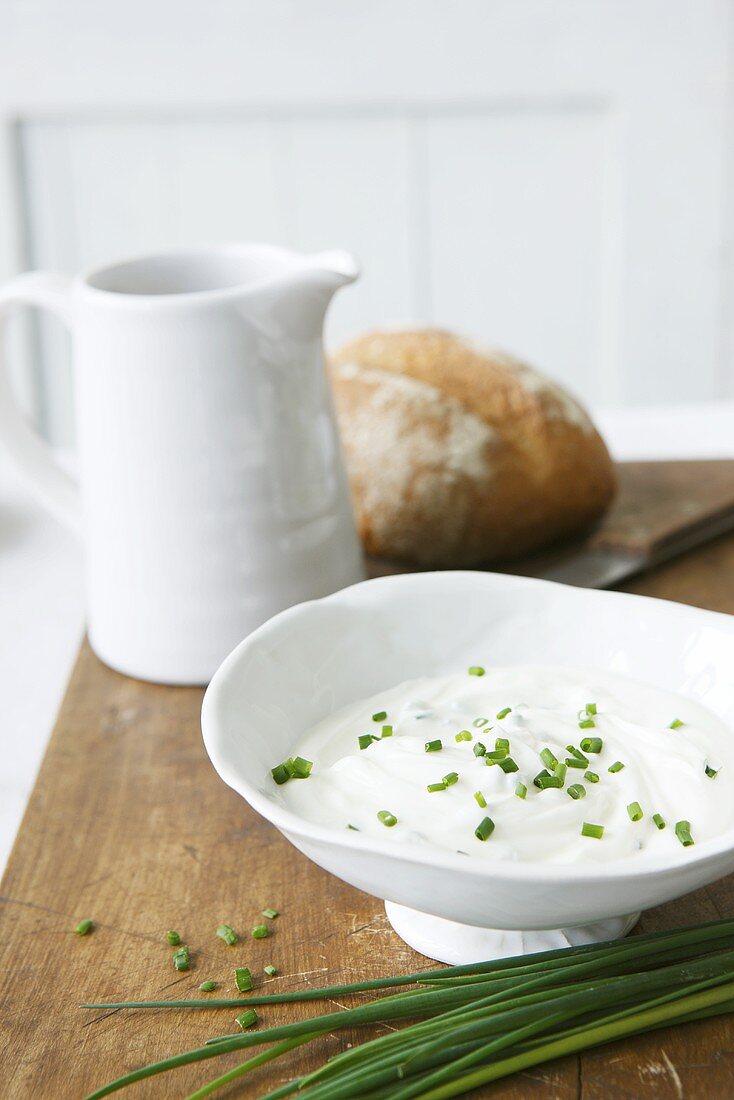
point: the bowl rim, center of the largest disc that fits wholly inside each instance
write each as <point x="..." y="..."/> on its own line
<point x="288" y="822"/>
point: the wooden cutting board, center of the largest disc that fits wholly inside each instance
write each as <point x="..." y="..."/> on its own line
<point x="129" y="825"/>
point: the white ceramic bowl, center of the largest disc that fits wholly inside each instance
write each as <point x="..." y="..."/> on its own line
<point x="319" y="656"/>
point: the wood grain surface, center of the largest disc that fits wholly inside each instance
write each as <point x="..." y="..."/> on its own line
<point x="129" y="825"/>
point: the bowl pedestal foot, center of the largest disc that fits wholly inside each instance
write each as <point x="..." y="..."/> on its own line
<point x="448" y="941"/>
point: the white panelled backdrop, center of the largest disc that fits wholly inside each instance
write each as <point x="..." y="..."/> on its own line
<point x="554" y="178"/>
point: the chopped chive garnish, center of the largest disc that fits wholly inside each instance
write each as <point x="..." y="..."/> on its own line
<point x="260" y="932"/>
<point x="676" y="725"/>
<point x="508" y="765"/>
<point x="616" y="766"/>
<point x="298" y="768"/>
<point x="711" y="772"/>
<point x="683" y="832"/>
<point x="479" y="749"/>
<point x="366" y="740"/>
<point x="576" y="762"/>
<point x="436" y="787"/>
<point x="451" y="778"/>
<point x="659" y="821"/>
<point x="545" y="782"/>
<point x="495" y="756"/>
<point x="434" y="746"/>
<point x="380" y="716"/>
<point x="246" y="1019"/>
<point x="484" y="829"/>
<point x="502" y="745"/>
<point x="590" y="709"/>
<point x="596" y="831"/>
<point x="271" y="914"/>
<point x="634" y="810"/>
<point x="208" y="987"/>
<point x="560" y="772"/>
<point x="520" y="789"/>
<point x="576" y="790"/>
<point x="479" y="722"/>
<point x="84" y="927"/>
<point x="387" y="731"/>
<point x="544" y="774"/>
<point x="280" y="774"/>
<point x="586" y="724"/>
<point x="227" y="934"/>
<point x="591" y="744"/>
<point x="353" y="828"/>
<point x="243" y="979"/>
<point x="504" y="712"/>
<point x="181" y="958"/>
<point x="173" y="938"/>
<point x="548" y="758"/>
<point x="591" y="777"/>
<point x="387" y="818"/>
<point x="476" y="670"/>
<point x="480" y="800"/>
<point x="575" y="752"/>
<point x="270" y="970"/>
<point x="463" y="735"/>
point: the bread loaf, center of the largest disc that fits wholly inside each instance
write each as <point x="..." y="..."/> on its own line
<point x="458" y="456"/>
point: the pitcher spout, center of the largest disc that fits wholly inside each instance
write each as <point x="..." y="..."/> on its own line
<point x="334" y="269"/>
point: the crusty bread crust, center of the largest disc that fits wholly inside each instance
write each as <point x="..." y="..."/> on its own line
<point x="459" y="456"/>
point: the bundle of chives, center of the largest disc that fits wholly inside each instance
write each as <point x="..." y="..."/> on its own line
<point x="481" y="1022"/>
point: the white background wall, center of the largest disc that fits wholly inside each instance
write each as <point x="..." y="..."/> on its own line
<point x="550" y="176"/>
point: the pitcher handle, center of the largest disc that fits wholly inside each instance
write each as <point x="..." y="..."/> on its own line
<point x="34" y="457"/>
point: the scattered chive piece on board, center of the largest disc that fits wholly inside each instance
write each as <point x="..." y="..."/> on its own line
<point x="595" y="831"/>
<point x="208" y="987"/>
<point x="260" y="932"/>
<point x="270" y="970"/>
<point x="243" y="978"/>
<point x="476" y="670"/>
<point x="181" y="958"/>
<point x="173" y="938"/>
<point x="246" y="1019"/>
<point x="227" y="934"/>
<point x="84" y="927"/>
<point x="387" y="818"/>
<point x="271" y="914"/>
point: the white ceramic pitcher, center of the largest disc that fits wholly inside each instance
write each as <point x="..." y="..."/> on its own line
<point x="211" y="492"/>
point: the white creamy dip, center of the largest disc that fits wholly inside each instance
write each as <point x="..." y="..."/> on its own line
<point x="664" y="768"/>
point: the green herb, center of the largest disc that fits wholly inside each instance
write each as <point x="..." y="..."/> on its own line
<point x="590" y="709"/>
<point x="546" y="782"/>
<point x="387" y="818"/>
<point x="246" y="1019"/>
<point x="181" y="958"/>
<point x="296" y="767"/>
<point x="484" y="829"/>
<point x="387" y="731"/>
<point x="576" y="790"/>
<point x="575" y="752"/>
<point x="574" y="762"/>
<point x="586" y="724"/>
<point x="280" y="774"/>
<point x="591" y="777"/>
<point x="436" y="787"/>
<point x="270" y="970"/>
<point x="380" y="716"/>
<point x="173" y="938"/>
<point x="476" y="670"/>
<point x="479" y="749"/>
<point x="616" y="766"/>
<point x="208" y="987"/>
<point x="591" y="744"/>
<point x="271" y="914"/>
<point x="243" y="978"/>
<point x="595" y="831"/>
<point x="84" y="927"/>
<point x="479" y="722"/>
<point x="494" y="755"/>
<point x="451" y="778"/>
<point x="502" y="744"/>
<point x="683" y="832"/>
<point x="659" y="821"/>
<point x="634" y="810"/>
<point x="508" y="765"/>
<point x="463" y="735"/>
<point x="560" y="772"/>
<point x="544" y="774"/>
<point x="260" y="932"/>
<point x="548" y="758"/>
<point x="520" y="789"/>
<point x="711" y="772"/>
<point x="480" y="800"/>
<point x="676" y="724"/>
<point x="504" y="712"/>
<point x="434" y="746"/>
<point x="366" y="739"/>
<point x="227" y="934"/>
<point x="353" y="828"/>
